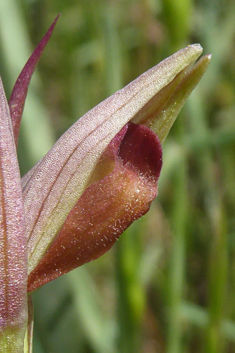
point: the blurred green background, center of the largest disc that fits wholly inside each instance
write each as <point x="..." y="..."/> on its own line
<point x="168" y="285"/>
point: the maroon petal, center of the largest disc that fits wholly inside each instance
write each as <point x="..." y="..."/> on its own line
<point x="20" y="89"/>
<point x="108" y="206"/>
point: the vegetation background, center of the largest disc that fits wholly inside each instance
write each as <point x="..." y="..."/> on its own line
<point x="168" y="285"/>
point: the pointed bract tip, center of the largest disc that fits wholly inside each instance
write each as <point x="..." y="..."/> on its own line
<point x="196" y="46"/>
<point x="20" y="89"/>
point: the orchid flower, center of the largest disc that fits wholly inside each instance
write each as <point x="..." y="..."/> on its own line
<point x="98" y="178"/>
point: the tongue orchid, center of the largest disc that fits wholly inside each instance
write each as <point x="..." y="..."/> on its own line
<point x="98" y="178"/>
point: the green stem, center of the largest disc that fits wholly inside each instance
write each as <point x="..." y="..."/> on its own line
<point x="177" y="268"/>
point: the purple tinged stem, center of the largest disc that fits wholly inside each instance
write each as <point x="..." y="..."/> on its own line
<point x="13" y="248"/>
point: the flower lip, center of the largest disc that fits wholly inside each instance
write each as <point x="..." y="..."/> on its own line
<point x="108" y="206"/>
<point x="138" y="151"/>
